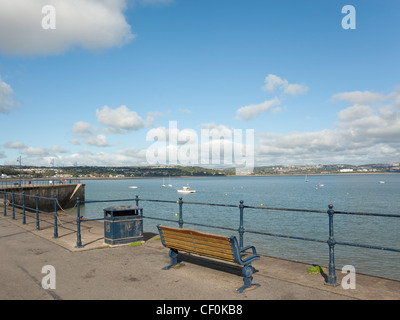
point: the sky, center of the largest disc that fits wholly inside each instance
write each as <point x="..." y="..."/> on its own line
<point x="141" y="82"/>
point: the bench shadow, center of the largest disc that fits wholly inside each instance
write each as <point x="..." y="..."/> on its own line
<point x="148" y="235"/>
<point x="212" y="264"/>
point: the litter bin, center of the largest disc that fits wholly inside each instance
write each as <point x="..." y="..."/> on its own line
<point x="123" y="224"/>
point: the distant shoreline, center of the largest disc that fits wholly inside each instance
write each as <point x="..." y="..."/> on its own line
<point x="205" y="176"/>
<point x="244" y="176"/>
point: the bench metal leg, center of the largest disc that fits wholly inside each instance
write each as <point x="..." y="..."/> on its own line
<point x="174" y="259"/>
<point x="247" y="272"/>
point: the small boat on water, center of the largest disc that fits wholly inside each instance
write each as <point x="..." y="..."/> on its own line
<point x="382" y="182"/>
<point x="186" y="190"/>
<point x="133" y="187"/>
<point x="320" y="185"/>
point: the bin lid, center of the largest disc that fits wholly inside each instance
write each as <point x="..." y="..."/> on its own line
<point x="122" y="208"/>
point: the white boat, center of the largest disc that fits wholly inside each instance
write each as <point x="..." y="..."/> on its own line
<point x="133" y="187"/>
<point x="382" y="182"/>
<point x="186" y="190"/>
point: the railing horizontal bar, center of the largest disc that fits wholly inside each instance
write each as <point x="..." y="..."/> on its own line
<point x="49" y="213"/>
<point x="151" y="200"/>
<point x="113" y="200"/>
<point x="208" y="226"/>
<point x="213" y="204"/>
<point x="92" y="219"/>
<point x="285" y="209"/>
<point x="367" y="246"/>
<point x="369" y="214"/>
<point x="285" y="236"/>
<point x="162" y="219"/>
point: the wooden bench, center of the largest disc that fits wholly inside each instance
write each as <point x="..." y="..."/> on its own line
<point x="208" y="245"/>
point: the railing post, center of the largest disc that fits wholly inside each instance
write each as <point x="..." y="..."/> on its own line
<point x="180" y="213"/>
<point x="23" y="208"/>
<point x="37" y="212"/>
<point x="78" y="224"/>
<point x="137" y="201"/>
<point x="13" y="206"/>
<point x="55" y="218"/>
<point x="331" y="243"/>
<point x="5" y="203"/>
<point x="241" y="227"/>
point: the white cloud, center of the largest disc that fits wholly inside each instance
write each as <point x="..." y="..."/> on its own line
<point x="295" y="89"/>
<point x="274" y="83"/>
<point x="58" y="149"/>
<point x="355" y="112"/>
<point x="89" y="24"/>
<point x="75" y="142"/>
<point x="6" y="96"/>
<point x="97" y="141"/>
<point x="119" y="120"/>
<point x="81" y="129"/>
<point x="15" y="145"/>
<point x="359" y="97"/>
<point x="364" y="133"/>
<point x="34" y="151"/>
<point x="253" y="110"/>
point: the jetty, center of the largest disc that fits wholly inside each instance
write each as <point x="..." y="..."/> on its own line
<point x="66" y="194"/>
<point x="134" y="271"/>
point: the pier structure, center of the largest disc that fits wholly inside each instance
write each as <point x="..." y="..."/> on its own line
<point x="66" y="194"/>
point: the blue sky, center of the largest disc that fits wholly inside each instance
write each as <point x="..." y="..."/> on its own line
<point x="90" y="91"/>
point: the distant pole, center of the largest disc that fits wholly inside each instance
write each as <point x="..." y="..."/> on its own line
<point x="20" y="168"/>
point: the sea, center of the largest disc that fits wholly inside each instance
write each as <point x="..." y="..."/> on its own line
<point x="361" y="193"/>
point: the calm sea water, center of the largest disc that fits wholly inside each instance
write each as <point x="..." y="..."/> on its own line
<point x="352" y="193"/>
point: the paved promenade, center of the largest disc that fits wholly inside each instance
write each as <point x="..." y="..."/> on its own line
<point x="98" y="271"/>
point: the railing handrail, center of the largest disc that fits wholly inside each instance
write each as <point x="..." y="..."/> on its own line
<point x="331" y="280"/>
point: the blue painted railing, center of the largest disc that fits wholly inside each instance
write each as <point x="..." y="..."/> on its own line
<point x="5" y="183"/>
<point x="331" y="279"/>
<point x="14" y="204"/>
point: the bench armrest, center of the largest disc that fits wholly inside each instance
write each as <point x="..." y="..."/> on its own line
<point x="249" y="247"/>
<point x="237" y="252"/>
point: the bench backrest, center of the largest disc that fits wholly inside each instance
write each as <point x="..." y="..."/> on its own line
<point x="197" y="242"/>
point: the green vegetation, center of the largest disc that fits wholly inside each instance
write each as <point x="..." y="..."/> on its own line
<point x="30" y="172"/>
<point x="315" y="270"/>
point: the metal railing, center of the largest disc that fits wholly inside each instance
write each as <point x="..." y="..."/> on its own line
<point x="10" y="183"/>
<point x="13" y="203"/>
<point x="331" y="279"/>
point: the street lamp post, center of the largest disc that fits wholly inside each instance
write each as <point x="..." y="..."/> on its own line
<point x="20" y="169"/>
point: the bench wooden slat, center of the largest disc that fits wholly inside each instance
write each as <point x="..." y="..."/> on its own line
<point x="194" y="232"/>
<point x="208" y="253"/>
<point x="202" y="241"/>
<point x="197" y="242"/>
<point x="199" y="248"/>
